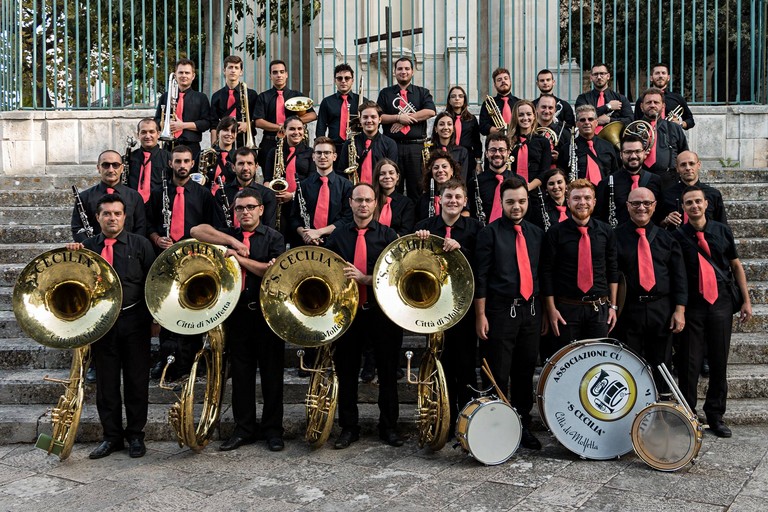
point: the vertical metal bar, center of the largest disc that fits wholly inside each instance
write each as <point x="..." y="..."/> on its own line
<point x="704" y="53"/>
<point x="682" y="49"/>
<point x="88" y="47"/>
<point x="637" y="49"/>
<point x="738" y="52"/>
<point x="502" y="16"/>
<point x="512" y="49"/>
<point x="671" y="56"/>
<point x="626" y="46"/>
<point x="77" y="53"/>
<point x="693" y="49"/>
<point x="268" y="43"/>
<point x="752" y="62"/>
<point x="570" y="50"/>
<point x="200" y="47"/>
<point x="592" y="33"/>
<point x="289" y="33"/>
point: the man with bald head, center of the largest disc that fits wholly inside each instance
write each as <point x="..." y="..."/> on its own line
<point x="688" y="167"/>
<point x="657" y="290"/>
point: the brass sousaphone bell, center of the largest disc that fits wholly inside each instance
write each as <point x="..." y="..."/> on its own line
<point x="426" y="290"/>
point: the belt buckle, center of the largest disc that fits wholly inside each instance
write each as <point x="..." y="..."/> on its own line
<point x="253" y="306"/>
<point x="643" y="298"/>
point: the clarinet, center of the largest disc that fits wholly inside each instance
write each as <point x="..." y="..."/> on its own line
<point x="432" y="198"/>
<point x="544" y="213"/>
<point x="130" y="142"/>
<point x="611" y="204"/>
<point x="479" y="202"/>
<point x="302" y="206"/>
<point x="572" y="161"/>
<point x="224" y="202"/>
<point x="166" y="208"/>
<point x="87" y="229"/>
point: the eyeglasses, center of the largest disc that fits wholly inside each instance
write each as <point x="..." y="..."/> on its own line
<point x="638" y="204"/>
<point x="343" y="78"/>
<point x="107" y="165"/>
<point x="323" y="153"/>
<point x="493" y="151"/>
<point x="630" y="152"/>
<point x="586" y="119"/>
<point x="361" y="200"/>
<point x="249" y="207"/>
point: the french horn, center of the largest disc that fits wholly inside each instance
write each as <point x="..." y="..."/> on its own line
<point x="642" y="129"/>
<point x="67" y="299"/>
<point x="307" y="300"/>
<point x="425" y="290"/>
<point x="191" y="288"/>
<point x="612" y="132"/>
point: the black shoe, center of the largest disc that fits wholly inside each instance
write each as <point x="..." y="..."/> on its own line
<point x="90" y="376"/>
<point x="391" y="438"/>
<point x="105" y="448"/>
<point x="367" y="374"/>
<point x="136" y="448"/>
<point x="346" y="438"/>
<point x="275" y="444"/>
<point x="528" y="440"/>
<point x="157" y="371"/>
<point x="705" y="368"/>
<point x="234" y="442"/>
<point x="719" y="428"/>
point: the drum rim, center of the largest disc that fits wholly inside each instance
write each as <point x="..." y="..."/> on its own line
<point x="463" y="437"/>
<point x="693" y="429"/>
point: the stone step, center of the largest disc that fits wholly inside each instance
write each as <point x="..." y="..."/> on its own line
<point x="745" y="210"/>
<point x="752" y="247"/>
<point x="24" y="253"/>
<point x="756" y="269"/>
<point x="748" y="348"/>
<point x="749" y="228"/>
<point x="758" y="323"/>
<point x="743" y="191"/>
<point x="35" y="215"/>
<point x="733" y="175"/>
<point x="54" y="197"/>
<point x="758" y="291"/>
<point x="36" y="233"/>
<point x="51" y="181"/>
<point x="9" y="273"/>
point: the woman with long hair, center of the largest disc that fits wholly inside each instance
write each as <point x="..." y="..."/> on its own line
<point x="439" y="169"/>
<point x="444" y="138"/>
<point x="393" y="208"/>
<point x="467" y="129"/>
<point x="532" y="152"/>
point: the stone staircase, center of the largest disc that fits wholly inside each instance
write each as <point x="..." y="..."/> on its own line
<point x="34" y="217"/>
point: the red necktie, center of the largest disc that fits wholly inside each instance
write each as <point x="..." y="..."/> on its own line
<point x="231" y="104"/>
<point x="179" y="113"/>
<point x="106" y="252"/>
<point x="457" y="129"/>
<point x="361" y="263"/>
<point x="290" y="171"/>
<point x="584" y="274"/>
<point x="145" y="180"/>
<point x="110" y="190"/>
<point x="280" y="108"/>
<point x="404" y="94"/>
<point x="593" y="170"/>
<point x="344" y="117"/>
<point x="385" y="217"/>
<point x="645" y="262"/>
<point x="651" y="158"/>
<point x="323" y="200"/>
<point x="562" y="210"/>
<point x="247" y="242"/>
<point x="635" y="181"/>
<point x="707" y="279"/>
<point x="523" y="264"/>
<point x="447" y="231"/>
<point x="366" y="171"/>
<point x="217" y="173"/>
<point x="506" y="111"/>
<point x="600" y="103"/>
<point x="522" y="160"/>
<point x="496" y="208"/>
<point x="177" y="217"/>
<point x="436" y="202"/>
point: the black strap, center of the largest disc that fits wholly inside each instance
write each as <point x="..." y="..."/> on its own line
<point x="365" y="151"/>
<point x="719" y="271"/>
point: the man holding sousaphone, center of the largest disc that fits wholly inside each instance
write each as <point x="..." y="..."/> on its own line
<point x="252" y="344"/>
<point x="126" y="347"/>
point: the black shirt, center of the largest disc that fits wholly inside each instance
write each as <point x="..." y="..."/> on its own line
<point x="304" y="164"/>
<point x="268" y="199"/>
<point x="381" y="147"/>
<point x="622" y="186"/>
<point x="539" y="156"/>
<point x="604" y="154"/>
<point x="160" y="160"/>
<point x="667" y="257"/>
<point x="132" y="257"/>
<point x="464" y="231"/>
<point x="671" y="101"/>
<point x="219" y="110"/>
<point x="487" y="182"/>
<point x="196" y="109"/>
<point x="560" y="257"/>
<point x="329" y="115"/>
<point x="485" y="118"/>
<point x="470" y="137"/>
<point x="135" y="216"/>
<point x="266" y="243"/>
<point x="536" y="212"/>
<point x="496" y="269"/>
<point x="419" y="97"/>
<point x="722" y="247"/>
<point x="266" y="106"/>
<point x="339" y="211"/>
<point x="673" y="201"/>
<point x="624" y="115"/>
<point x="199" y="208"/>
<point x="670" y="142"/>
<point x="566" y="114"/>
<point x="225" y="165"/>
<point x="403" y="213"/>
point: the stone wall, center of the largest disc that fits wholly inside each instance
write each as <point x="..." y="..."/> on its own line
<point x="67" y="142"/>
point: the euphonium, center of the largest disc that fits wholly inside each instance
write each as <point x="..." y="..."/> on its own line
<point x="169" y="109"/>
<point x="245" y="111"/>
<point x="191" y="288"/>
<point x="67" y="299"/>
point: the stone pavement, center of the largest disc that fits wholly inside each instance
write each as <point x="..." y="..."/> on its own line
<point x="731" y="474"/>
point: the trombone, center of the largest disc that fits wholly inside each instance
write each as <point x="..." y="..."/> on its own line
<point x="246" y="114"/>
<point x="495" y="113"/>
<point x="169" y="109"/>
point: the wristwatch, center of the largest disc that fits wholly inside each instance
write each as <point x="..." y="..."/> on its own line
<point x="613" y="307"/>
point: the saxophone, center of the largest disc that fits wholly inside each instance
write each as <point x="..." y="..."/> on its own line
<point x="87" y="229"/>
<point x="425" y="153"/>
<point x="573" y="163"/>
<point x="612" y="220"/>
<point x="351" y="170"/>
<point x="279" y="183"/>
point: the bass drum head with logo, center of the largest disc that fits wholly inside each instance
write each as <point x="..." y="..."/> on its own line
<point x="489" y="430"/>
<point x="665" y="437"/>
<point x="590" y="395"/>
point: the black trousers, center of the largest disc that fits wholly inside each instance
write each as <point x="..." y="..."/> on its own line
<point x="253" y="346"/>
<point x="512" y="349"/>
<point x="707" y="327"/>
<point x="459" y="360"/>
<point x="387" y="339"/>
<point x="582" y="322"/>
<point x="412" y="168"/>
<point x="124" y="349"/>
<point x="182" y="347"/>
<point x="644" y="327"/>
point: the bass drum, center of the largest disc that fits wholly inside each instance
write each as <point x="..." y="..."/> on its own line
<point x="589" y="393"/>
<point x="666" y="437"/>
<point x="489" y="430"/>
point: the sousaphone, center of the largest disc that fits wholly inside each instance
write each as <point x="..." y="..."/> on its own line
<point x="307" y="300"/>
<point x="426" y="290"/>
<point x="191" y="288"/>
<point x="67" y="299"/>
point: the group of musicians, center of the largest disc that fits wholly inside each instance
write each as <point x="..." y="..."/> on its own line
<point x="548" y="226"/>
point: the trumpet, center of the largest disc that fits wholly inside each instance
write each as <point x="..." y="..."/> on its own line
<point x="403" y="106"/>
<point x="495" y="113"/>
<point x="676" y="116"/>
<point x="169" y="109"/>
<point x="246" y="114"/>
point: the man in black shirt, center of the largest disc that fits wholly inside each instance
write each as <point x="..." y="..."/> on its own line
<point x="545" y="81"/>
<point x="337" y="110"/>
<point x="250" y="341"/>
<point x="688" y="167"/>
<point x="370" y="145"/>
<point x="126" y="347"/>
<point x="670" y="139"/>
<point x="110" y="168"/>
<point x="711" y="261"/>
<point x="504" y="99"/>
<point x="579" y="272"/>
<point x="595" y="158"/>
<point x="609" y="105"/>
<point x="370" y="321"/>
<point x="545" y="118"/>
<point x="405" y="125"/>
<point x="245" y="171"/>
<point x="660" y="79"/>
<point x="507" y="303"/>
<point x="657" y="290"/>
<point x="226" y="102"/>
<point x="148" y="164"/>
<point x="489" y="181"/>
<point x="270" y="112"/>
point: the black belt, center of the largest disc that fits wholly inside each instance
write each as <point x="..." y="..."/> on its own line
<point x="587" y="300"/>
<point x="649" y="298"/>
<point x="410" y="141"/>
<point x="513" y="301"/>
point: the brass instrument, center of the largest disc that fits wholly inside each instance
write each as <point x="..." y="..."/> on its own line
<point x="207" y="161"/>
<point x="67" y="299"/>
<point x="612" y="132"/>
<point x="425" y="290"/>
<point x="300" y="105"/>
<point x="425" y="149"/>
<point x="87" y="229"/>
<point x="351" y="170"/>
<point x="168" y="111"/>
<point x="129" y="142"/>
<point x="676" y="115"/>
<point x="307" y="300"/>
<point x="573" y="161"/>
<point x="278" y="183"/>
<point x="642" y="129"/>
<point x="225" y="202"/>
<point x="549" y="134"/>
<point x="191" y="288"/>
<point x="403" y="106"/>
<point x="496" y="118"/>
<point x="245" y="111"/>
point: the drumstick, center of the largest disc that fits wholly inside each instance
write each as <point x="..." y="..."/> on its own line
<point x="487" y="370"/>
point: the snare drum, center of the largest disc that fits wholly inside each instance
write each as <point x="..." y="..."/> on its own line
<point x="489" y="430"/>
<point x="588" y="394"/>
<point x="666" y="437"/>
